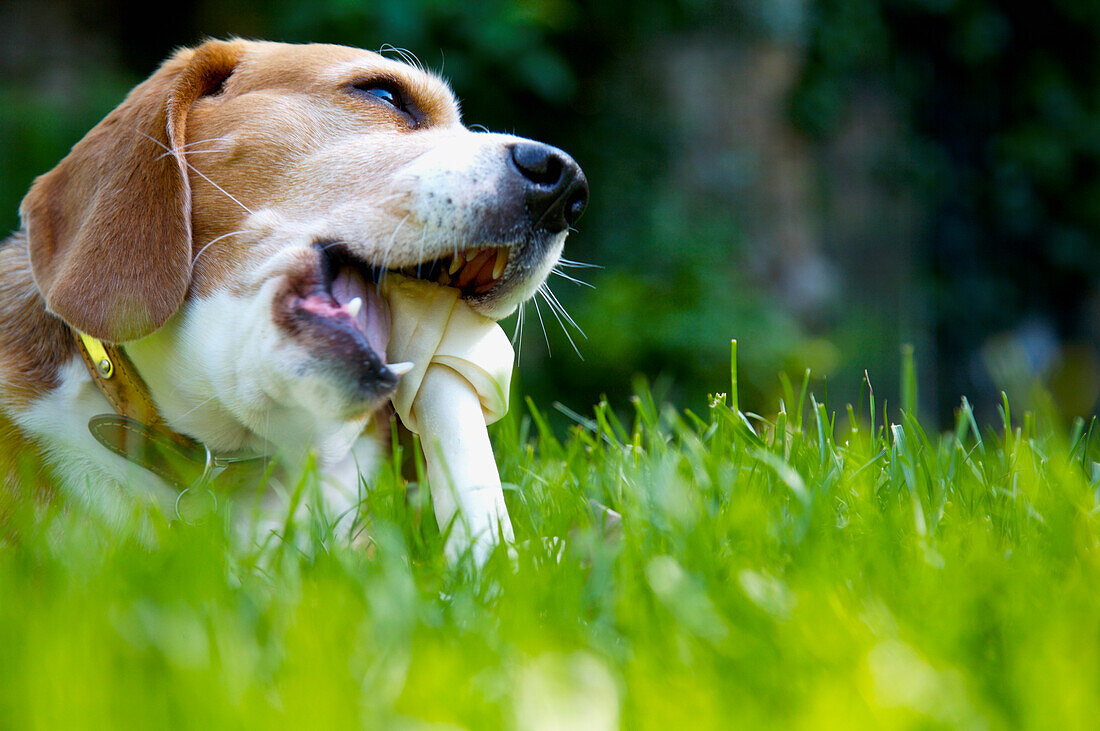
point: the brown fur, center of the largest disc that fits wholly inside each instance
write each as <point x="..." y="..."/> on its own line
<point x="112" y="229"/>
<point x="109" y="228"/>
<point x="33" y="343"/>
<point x="222" y="173"/>
<point x="111" y="233"/>
<point x="26" y="485"/>
<point x="300" y="99"/>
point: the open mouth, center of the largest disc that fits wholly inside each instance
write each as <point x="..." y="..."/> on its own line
<point x="473" y="272"/>
<point x="346" y="299"/>
<point x="337" y="309"/>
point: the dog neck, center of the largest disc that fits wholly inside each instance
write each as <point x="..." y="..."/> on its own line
<point x="117" y="379"/>
<point x="192" y="366"/>
<point x="136" y="431"/>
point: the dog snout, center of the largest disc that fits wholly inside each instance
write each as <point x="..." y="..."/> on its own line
<point x="556" y="191"/>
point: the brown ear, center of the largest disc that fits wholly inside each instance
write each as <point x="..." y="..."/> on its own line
<point x="109" y="228"/>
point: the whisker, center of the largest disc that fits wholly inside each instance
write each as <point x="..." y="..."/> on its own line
<point x="198" y="172"/>
<point x="388" y="250"/>
<point x="571" y="264"/>
<point x="185" y="152"/>
<point x="199" y="142"/>
<point x="517" y="332"/>
<point x="267" y="438"/>
<point x="229" y="388"/>
<point x="519" y="343"/>
<point x="404" y="54"/>
<point x="564" y="329"/>
<point x="219" y="188"/>
<point x="211" y="243"/>
<point x="420" y="251"/>
<point x="202" y="403"/>
<point x="184" y="147"/>
<point x="563" y="275"/>
<point x="554" y="302"/>
<point x="543" y="323"/>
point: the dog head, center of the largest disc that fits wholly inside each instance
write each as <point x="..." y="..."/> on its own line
<point x="230" y="211"/>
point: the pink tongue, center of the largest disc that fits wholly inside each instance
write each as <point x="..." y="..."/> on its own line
<point x="373" y="319"/>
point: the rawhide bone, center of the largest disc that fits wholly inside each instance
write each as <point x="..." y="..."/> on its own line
<point x="458" y="384"/>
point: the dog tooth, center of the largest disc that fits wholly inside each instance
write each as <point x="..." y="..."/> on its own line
<point x="473" y="268"/>
<point x="485" y="274"/>
<point x="502" y="261"/>
<point x="354" y="306"/>
<point x="457" y="262"/>
<point x="444" y="278"/>
<point x="400" y="369"/>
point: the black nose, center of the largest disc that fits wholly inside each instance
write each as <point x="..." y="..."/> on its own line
<point x="556" y="190"/>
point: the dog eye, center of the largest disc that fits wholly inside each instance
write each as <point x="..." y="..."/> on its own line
<point x="386" y="95"/>
<point x="390" y="93"/>
<point x="384" y="92"/>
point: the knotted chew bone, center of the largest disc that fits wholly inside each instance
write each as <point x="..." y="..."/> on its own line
<point x="458" y="384"/>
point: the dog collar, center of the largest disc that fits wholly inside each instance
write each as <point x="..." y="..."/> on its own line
<point x="119" y="382"/>
<point x="137" y="432"/>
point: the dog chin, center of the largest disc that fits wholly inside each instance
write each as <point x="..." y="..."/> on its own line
<point x="328" y="369"/>
<point x="329" y="393"/>
<point x="293" y="352"/>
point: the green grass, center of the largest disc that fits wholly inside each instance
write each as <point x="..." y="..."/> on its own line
<point x="804" y="571"/>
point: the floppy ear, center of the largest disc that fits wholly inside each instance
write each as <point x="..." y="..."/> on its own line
<point x="109" y="228"/>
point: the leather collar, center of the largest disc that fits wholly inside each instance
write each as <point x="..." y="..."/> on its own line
<point x="138" y="433"/>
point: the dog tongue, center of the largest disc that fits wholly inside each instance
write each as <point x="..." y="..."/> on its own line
<point x="373" y="317"/>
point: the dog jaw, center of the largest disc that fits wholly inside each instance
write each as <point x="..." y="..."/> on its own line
<point x="461" y="195"/>
<point x="246" y="382"/>
<point x="453" y="196"/>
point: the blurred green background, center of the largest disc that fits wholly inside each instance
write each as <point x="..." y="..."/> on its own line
<point x="822" y="180"/>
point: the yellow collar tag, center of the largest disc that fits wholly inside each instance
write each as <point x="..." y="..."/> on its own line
<point x="99" y="355"/>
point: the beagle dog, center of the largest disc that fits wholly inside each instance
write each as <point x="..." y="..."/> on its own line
<point x="207" y="242"/>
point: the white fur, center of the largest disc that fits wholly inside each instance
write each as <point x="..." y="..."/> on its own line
<point x="107" y="484"/>
<point x="433" y="206"/>
<point x="306" y="171"/>
<point x="86" y="471"/>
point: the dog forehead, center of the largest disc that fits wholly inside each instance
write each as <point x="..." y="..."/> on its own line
<point x="323" y="67"/>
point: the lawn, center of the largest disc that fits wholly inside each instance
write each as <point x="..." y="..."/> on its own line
<point x="814" y="569"/>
